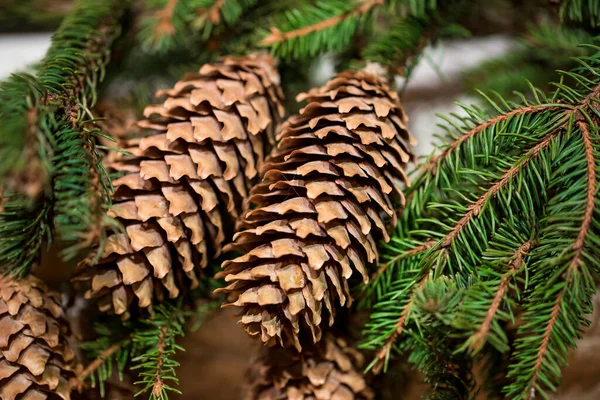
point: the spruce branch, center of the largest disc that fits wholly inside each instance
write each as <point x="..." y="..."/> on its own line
<point x="510" y="205"/>
<point x="94" y="365"/>
<point x="277" y="37"/>
<point x="48" y="149"/>
<point x="214" y="13"/>
<point x="408" y="253"/>
<point x="155" y="345"/>
<point x="315" y="28"/>
<point x="433" y="162"/>
<point x="164" y="17"/>
<point x="479" y="338"/>
<point x="540" y="370"/>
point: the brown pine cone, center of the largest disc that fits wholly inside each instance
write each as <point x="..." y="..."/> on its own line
<point x="184" y="185"/>
<point x="325" y="200"/>
<point x="329" y="370"/>
<point x="36" y="361"/>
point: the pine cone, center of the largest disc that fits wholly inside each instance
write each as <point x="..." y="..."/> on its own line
<point x="184" y="186"/>
<point x="328" y="370"/>
<point x="36" y="362"/>
<point x="325" y="198"/>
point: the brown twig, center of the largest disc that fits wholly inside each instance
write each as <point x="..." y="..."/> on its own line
<point x="158" y="384"/>
<point x="432" y="163"/>
<point x="425" y="246"/>
<point x="214" y="13"/>
<point x="400" y="324"/>
<point x="94" y="365"/>
<point x="164" y="16"/>
<point x="577" y="246"/>
<point x="480" y="336"/>
<point x="473" y="212"/>
<point x="277" y="36"/>
<point x="476" y="208"/>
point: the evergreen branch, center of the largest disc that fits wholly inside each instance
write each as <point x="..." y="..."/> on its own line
<point x="384" y="267"/>
<point x="581" y="11"/>
<point x="164" y="17"/>
<point x="155" y="345"/>
<point x="52" y="109"/>
<point x="158" y="385"/>
<point x="277" y="36"/>
<point x="510" y="204"/>
<point x="214" y="13"/>
<point x="479" y="338"/>
<point x="434" y="161"/>
<point x="475" y="208"/>
<point x="23" y="230"/>
<point x="591" y="193"/>
<point x="145" y="346"/>
<point x="443" y="244"/>
<point x="383" y="354"/>
<point x="575" y="260"/>
<point x="94" y="365"/>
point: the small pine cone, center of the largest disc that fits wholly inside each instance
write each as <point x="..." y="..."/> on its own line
<point x="328" y="370"/>
<point x="36" y="361"/>
<point x="182" y="190"/>
<point x="326" y="195"/>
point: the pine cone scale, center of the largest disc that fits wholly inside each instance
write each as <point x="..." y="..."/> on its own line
<point x="36" y="361"/>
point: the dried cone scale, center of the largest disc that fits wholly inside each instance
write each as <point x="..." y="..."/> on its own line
<point x="36" y="362"/>
<point x="327" y="196"/>
<point x="329" y="370"/>
<point x="182" y="189"/>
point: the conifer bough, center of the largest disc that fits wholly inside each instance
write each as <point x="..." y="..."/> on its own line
<point x="327" y="194"/>
<point x="49" y="162"/>
<point x="509" y="211"/>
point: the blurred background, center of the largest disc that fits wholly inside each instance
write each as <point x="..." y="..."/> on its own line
<point x="217" y="354"/>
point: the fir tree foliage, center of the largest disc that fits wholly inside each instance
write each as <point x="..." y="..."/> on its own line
<point x="48" y="153"/>
<point x="507" y="209"/>
<point x="581" y="11"/>
<point x="145" y="347"/>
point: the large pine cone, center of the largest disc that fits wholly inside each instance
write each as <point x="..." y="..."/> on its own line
<point x="186" y="183"/>
<point x="325" y="198"/>
<point x="36" y="362"/>
<point x="328" y="370"/>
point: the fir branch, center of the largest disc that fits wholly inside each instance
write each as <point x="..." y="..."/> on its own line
<point x="479" y="338"/>
<point x="155" y="345"/>
<point x="214" y="13"/>
<point x="475" y="208"/>
<point x="158" y="385"/>
<point x="521" y="182"/>
<point x="277" y="36"/>
<point x="94" y="365"/>
<point x="573" y="266"/>
<point x="312" y="29"/>
<point x="52" y="108"/>
<point x="434" y="161"/>
<point x="440" y="251"/>
<point x="164" y="25"/>
<point x="408" y="253"/>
